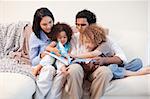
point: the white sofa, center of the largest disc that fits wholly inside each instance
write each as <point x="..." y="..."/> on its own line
<point x="18" y="86"/>
<point x="137" y="87"/>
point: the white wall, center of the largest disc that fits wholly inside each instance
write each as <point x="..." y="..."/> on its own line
<point x="148" y="31"/>
<point x="127" y="20"/>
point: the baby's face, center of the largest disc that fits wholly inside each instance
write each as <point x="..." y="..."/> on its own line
<point x="62" y="37"/>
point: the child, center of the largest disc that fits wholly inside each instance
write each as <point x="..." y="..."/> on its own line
<point x="61" y="33"/>
<point x="96" y="44"/>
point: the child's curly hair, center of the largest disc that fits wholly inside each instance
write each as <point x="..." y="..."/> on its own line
<point x="59" y="27"/>
<point x="94" y="34"/>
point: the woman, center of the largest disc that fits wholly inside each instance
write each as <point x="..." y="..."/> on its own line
<point x="42" y="23"/>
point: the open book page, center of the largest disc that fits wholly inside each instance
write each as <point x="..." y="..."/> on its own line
<point x="64" y="52"/>
<point x="62" y="59"/>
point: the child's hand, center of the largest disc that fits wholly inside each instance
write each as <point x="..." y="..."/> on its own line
<point x="52" y="44"/>
<point x="42" y="54"/>
<point x="56" y="51"/>
<point x="64" y="71"/>
<point x="50" y="47"/>
<point x="73" y="56"/>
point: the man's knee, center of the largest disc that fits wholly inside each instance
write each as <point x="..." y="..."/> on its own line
<point x="104" y="72"/>
<point x="75" y="69"/>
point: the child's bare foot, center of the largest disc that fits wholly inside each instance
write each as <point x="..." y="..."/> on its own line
<point x="34" y="71"/>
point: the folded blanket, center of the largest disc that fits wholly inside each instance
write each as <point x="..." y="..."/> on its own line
<point x="11" y="37"/>
<point x="14" y="48"/>
<point x="22" y="53"/>
<point x="12" y="66"/>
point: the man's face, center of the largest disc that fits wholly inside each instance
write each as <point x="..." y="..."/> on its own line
<point x="81" y="24"/>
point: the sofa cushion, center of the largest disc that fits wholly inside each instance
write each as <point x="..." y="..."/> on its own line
<point x="130" y="86"/>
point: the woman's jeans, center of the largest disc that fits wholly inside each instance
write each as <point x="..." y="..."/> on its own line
<point x="119" y="71"/>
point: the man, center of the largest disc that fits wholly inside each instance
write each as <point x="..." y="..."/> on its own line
<point x="102" y="75"/>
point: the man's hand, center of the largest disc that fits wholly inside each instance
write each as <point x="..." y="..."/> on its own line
<point x="107" y="60"/>
<point x="87" y="66"/>
<point x="99" y="61"/>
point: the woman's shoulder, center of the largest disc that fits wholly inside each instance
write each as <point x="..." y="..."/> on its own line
<point x="33" y="38"/>
<point x="34" y="41"/>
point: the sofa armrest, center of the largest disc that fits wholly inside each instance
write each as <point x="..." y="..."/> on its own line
<point x="16" y="86"/>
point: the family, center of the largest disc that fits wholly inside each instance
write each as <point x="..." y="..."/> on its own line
<point x="86" y="41"/>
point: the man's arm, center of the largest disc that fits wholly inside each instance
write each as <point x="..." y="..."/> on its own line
<point x="118" y="57"/>
<point x="118" y="51"/>
<point x="108" y="60"/>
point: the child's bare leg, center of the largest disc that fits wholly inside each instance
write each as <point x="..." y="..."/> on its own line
<point x="142" y="71"/>
<point x="36" y="69"/>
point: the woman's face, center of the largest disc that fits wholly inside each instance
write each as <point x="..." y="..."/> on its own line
<point x="46" y="24"/>
<point x="62" y="37"/>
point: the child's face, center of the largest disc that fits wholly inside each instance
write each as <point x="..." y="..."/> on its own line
<point x="89" y="45"/>
<point x="62" y="37"/>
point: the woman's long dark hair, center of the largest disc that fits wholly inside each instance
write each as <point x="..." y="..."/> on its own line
<point x="39" y="14"/>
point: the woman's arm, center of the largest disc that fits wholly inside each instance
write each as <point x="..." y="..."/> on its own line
<point x="34" y="53"/>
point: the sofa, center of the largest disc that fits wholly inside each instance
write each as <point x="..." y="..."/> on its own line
<point x="16" y="85"/>
<point x="135" y="87"/>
